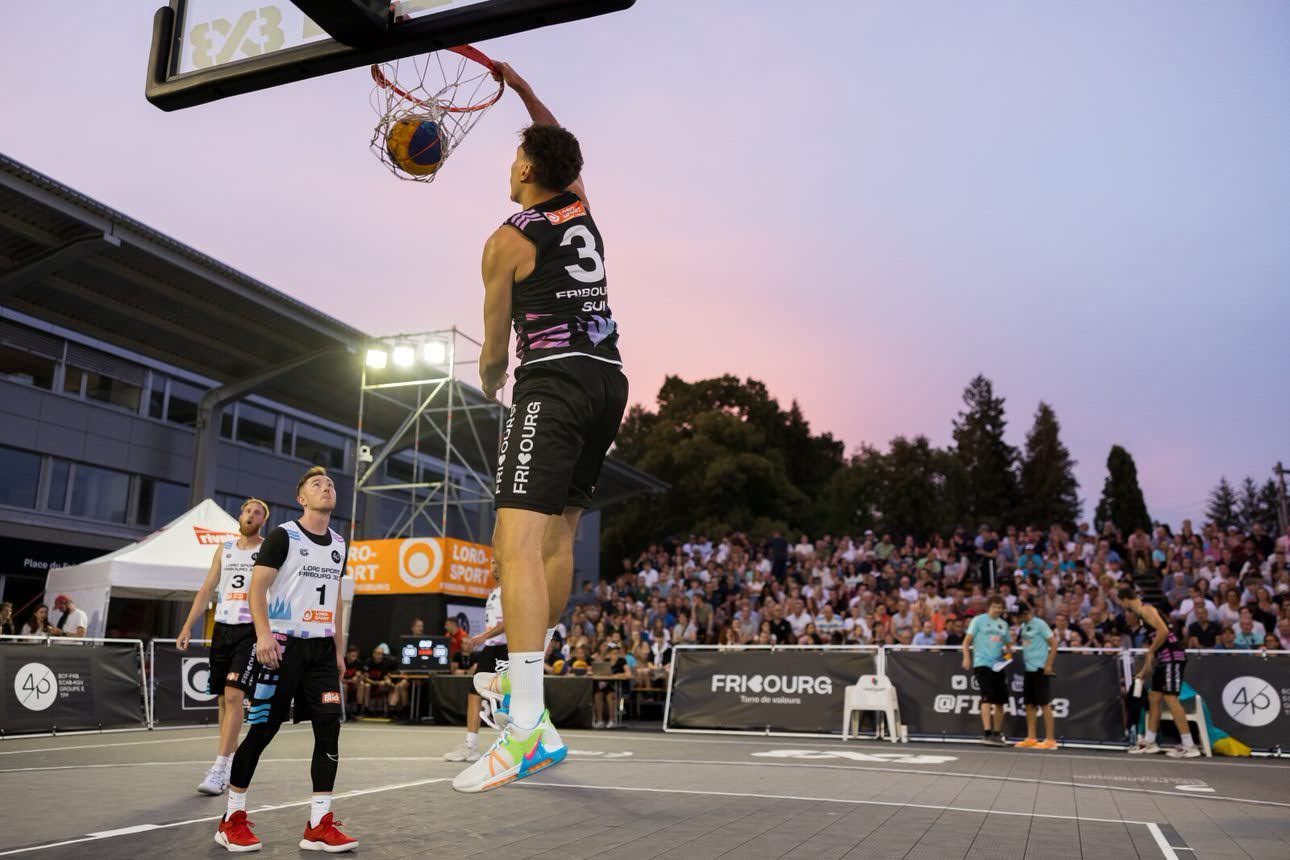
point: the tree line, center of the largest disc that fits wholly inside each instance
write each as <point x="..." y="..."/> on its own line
<point x="736" y="460"/>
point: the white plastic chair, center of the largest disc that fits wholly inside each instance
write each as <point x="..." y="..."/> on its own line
<point x="1195" y="715"/>
<point x="873" y="693"/>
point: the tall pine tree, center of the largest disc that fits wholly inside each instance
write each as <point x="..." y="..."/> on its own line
<point x="989" y="490"/>
<point x="1221" y="509"/>
<point x="1247" y="505"/>
<point x="1122" y="501"/>
<point x="1049" y="491"/>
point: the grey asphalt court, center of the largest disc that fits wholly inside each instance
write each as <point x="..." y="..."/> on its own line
<point x="648" y="794"/>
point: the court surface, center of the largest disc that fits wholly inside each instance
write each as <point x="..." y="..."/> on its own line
<point x="647" y="794"/>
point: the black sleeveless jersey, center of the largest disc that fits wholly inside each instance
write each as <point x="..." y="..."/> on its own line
<point x="562" y="308"/>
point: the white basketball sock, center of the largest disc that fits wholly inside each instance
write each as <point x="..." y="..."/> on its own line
<point x="319" y="806"/>
<point x="527" y="702"/>
<point x="236" y="803"/>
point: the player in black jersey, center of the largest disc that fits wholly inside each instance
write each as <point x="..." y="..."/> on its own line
<point x="544" y="275"/>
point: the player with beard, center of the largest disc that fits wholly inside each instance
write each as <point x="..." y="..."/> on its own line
<point x="299" y="660"/>
<point x="233" y="639"/>
<point x="544" y="275"/>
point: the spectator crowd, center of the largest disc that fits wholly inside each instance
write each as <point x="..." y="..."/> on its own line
<point x="1221" y="589"/>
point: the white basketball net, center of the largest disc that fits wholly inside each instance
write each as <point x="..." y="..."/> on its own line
<point x="444" y="87"/>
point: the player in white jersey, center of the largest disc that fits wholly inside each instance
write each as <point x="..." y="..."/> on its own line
<point x="490" y="658"/>
<point x="299" y="658"/>
<point x="233" y="639"/>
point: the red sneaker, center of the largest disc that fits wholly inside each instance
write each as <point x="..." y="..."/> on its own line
<point x="235" y="834"/>
<point x="327" y="837"/>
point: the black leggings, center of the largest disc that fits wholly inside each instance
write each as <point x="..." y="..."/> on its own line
<point x="326" y="757"/>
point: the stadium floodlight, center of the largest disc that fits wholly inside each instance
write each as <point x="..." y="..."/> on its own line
<point x="404" y="355"/>
<point x="434" y="351"/>
<point x="376" y="358"/>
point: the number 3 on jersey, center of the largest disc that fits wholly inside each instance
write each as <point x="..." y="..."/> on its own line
<point x="586" y="251"/>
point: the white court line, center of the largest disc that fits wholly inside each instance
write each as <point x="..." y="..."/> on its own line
<point x="812" y="799"/>
<point x="142" y="828"/>
<point x="930" y="747"/>
<point x="1162" y="843"/>
<point x="206" y="738"/>
<point x="206" y="762"/>
<point x="950" y="773"/>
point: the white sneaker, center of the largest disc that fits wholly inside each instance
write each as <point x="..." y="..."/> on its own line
<point x="517" y="753"/>
<point x="215" y="781"/>
<point x="1192" y="751"/>
<point x="1144" y="748"/>
<point x="611" y="725"/>
<point x="465" y="752"/>
<point x="597" y="724"/>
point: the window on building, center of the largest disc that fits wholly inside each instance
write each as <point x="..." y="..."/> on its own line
<point x="157" y="397"/>
<point x="19" y="477"/>
<point x="257" y="427"/>
<point x="99" y="494"/>
<point x="103" y="388"/>
<point x="182" y="407"/>
<point x="399" y="471"/>
<point x="160" y="501"/>
<point x="320" y="447"/>
<point x="59" y="471"/>
<point x="19" y="365"/>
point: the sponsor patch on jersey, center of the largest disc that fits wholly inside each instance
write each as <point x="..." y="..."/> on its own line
<point x="235" y="595"/>
<point x="231" y="676"/>
<point x="335" y="556"/>
<point x="320" y="616"/>
<point x="304" y="551"/>
<point x="574" y="210"/>
<point x="331" y="698"/>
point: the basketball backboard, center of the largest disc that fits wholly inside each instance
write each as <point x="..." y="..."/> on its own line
<point x="203" y="50"/>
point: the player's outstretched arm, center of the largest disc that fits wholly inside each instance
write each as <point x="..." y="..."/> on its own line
<point x="538" y="111"/>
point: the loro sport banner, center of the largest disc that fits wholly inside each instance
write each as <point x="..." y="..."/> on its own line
<point x="421" y="566"/>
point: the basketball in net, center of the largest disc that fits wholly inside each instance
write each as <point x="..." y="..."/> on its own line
<point x="427" y="105"/>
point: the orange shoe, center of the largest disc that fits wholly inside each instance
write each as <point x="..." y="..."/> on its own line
<point x="235" y="834"/>
<point x="327" y="837"/>
<point x="1026" y="744"/>
<point x="1049" y="744"/>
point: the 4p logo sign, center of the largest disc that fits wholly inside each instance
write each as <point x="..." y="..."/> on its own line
<point x="35" y="686"/>
<point x="1251" y="701"/>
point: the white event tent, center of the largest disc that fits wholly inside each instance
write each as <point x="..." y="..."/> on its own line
<point x="168" y="564"/>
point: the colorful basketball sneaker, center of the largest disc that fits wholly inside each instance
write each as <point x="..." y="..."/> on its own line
<point x="495" y="689"/>
<point x="517" y="753"/>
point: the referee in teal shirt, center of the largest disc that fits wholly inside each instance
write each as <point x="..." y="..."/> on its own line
<point x="984" y="646"/>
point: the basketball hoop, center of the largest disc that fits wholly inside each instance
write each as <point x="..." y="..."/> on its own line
<point x="426" y="105"/>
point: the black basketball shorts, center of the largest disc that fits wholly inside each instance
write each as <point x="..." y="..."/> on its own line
<point x="485" y="659"/>
<point x="1167" y="678"/>
<point x="564" y="417"/>
<point x="1037" y="689"/>
<point x="232" y="648"/>
<point x="307" y="675"/>
<point x="993" y="685"/>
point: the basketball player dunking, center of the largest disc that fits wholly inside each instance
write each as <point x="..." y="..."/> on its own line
<point x="544" y="273"/>
<point x="233" y="639"/>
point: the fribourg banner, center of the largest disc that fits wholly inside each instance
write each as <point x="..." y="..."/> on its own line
<point x="421" y="566"/>
<point x="760" y="689"/>
<point x="181" y="684"/>
<point x="1248" y="695"/>
<point x="938" y="698"/>
<point x="68" y="687"/>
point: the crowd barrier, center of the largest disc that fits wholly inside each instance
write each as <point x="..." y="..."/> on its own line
<point x="798" y="690"/>
<point x="179" y="683"/>
<point x="65" y="685"/>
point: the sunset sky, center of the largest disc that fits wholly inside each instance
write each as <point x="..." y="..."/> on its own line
<point x="862" y="204"/>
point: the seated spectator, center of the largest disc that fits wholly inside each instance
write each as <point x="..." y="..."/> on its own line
<point x="355" y="692"/>
<point x="376" y="679"/>
<point x="926" y="636"/>
<point x="1202" y="633"/>
<point x="1249" y="633"/>
<point x="38" y="623"/>
<point x="7" y="627"/>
